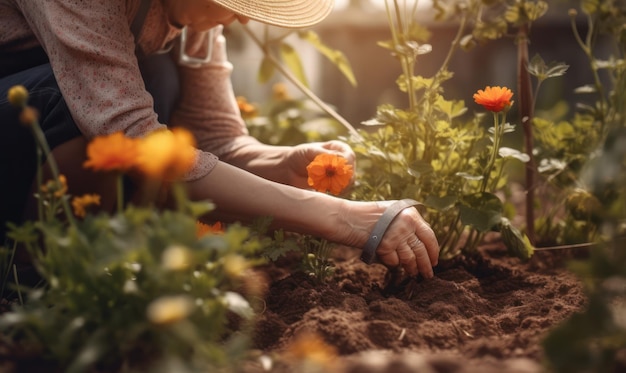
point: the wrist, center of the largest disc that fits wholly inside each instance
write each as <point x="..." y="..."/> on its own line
<point x="355" y="221"/>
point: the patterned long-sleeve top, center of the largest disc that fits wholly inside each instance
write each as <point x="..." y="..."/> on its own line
<point x="92" y="52"/>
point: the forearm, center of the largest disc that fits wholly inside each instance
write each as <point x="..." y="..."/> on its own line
<point x="242" y="196"/>
<point x="266" y="161"/>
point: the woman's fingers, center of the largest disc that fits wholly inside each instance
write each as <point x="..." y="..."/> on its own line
<point x="411" y="243"/>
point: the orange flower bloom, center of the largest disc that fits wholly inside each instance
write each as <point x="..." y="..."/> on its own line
<point x="167" y="155"/>
<point x="280" y="92"/>
<point x="114" y="152"/>
<point x="494" y="99"/>
<point x="329" y="173"/>
<point x="80" y="204"/>
<point x="248" y="110"/>
<point x="310" y="347"/>
<point x="202" y="229"/>
<point x="57" y="189"/>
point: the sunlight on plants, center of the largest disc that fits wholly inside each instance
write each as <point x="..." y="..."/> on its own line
<point x="141" y="287"/>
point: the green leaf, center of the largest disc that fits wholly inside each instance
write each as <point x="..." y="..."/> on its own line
<point x="199" y="208"/>
<point x="266" y="71"/>
<point x="516" y="242"/>
<point x="335" y="56"/>
<point x="292" y="60"/>
<point x="590" y="6"/>
<point x="238" y="305"/>
<point x="482" y="211"/>
<point x="440" y="203"/>
<point x="420" y="168"/>
<point x="537" y="67"/>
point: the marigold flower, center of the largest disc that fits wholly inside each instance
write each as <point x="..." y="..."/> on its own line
<point x="310" y="347"/>
<point x="18" y="96"/>
<point x="55" y="187"/>
<point x="114" y="152"/>
<point x="203" y="229"/>
<point x="167" y="155"/>
<point x="248" y="110"/>
<point x="329" y="173"/>
<point x="494" y="99"/>
<point x="80" y="204"/>
<point x="280" y="92"/>
<point x="170" y="309"/>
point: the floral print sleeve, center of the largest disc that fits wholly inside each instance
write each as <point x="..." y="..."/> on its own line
<point x="92" y="53"/>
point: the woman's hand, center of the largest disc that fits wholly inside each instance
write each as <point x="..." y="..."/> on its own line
<point x="411" y="243"/>
<point x="299" y="156"/>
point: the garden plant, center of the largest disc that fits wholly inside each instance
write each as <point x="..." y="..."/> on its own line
<point x="147" y="289"/>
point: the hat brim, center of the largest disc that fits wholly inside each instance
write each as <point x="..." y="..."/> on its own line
<point x="282" y="13"/>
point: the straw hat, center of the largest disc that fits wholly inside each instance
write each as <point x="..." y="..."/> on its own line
<point x="283" y="13"/>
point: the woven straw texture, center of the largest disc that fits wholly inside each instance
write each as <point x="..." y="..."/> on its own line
<point x="282" y="13"/>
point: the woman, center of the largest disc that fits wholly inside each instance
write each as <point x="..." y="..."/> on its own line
<point x="98" y="67"/>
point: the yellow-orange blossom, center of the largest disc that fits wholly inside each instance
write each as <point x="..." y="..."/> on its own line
<point x="329" y="173"/>
<point x="160" y="155"/>
<point x="494" y="99"/>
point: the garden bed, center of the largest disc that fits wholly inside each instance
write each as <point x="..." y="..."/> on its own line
<point x="483" y="313"/>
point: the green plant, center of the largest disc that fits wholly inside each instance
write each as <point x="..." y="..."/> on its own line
<point x="135" y="289"/>
<point x="316" y="260"/>
<point x="429" y="151"/>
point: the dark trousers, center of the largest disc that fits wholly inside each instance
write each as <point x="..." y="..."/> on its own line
<point x="18" y="154"/>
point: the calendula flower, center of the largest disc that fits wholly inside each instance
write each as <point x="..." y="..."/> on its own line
<point x="248" y="110"/>
<point x="329" y="173"/>
<point x="203" y="229"/>
<point x="57" y="188"/>
<point x="494" y="99"/>
<point x="280" y="92"/>
<point x="18" y="96"/>
<point x="80" y="204"/>
<point x="310" y="348"/>
<point x="114" y="152"/>
<point x="170" y="309"/>
<point x="167" y="155"/>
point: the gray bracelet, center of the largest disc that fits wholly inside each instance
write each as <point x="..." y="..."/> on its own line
<point x="369" y="250"/>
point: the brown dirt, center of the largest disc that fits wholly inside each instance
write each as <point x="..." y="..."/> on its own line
<point x="485" y="313"/>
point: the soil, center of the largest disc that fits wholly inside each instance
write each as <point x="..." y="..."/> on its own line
<point x="481" y="313"/>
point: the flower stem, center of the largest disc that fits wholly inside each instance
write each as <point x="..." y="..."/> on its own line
<point x="43" y="144"/>
<point x="312" y="96"/>
<point x="120" y="192"/>
<point x="494" y="152"/>
<point x="526" y="103"/>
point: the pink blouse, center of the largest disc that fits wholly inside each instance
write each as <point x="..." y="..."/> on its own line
<point x="92" y="53"/>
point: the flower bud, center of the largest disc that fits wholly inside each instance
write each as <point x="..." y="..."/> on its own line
<point x="29" y="116"/>
<point x="18" y="95"/>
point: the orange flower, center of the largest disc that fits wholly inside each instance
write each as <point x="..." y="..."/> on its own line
<point x="248" y="110"/>
<point x="310" y="347"/>
<point x="280" y="92"/>
<point x="494" y="99"/>
<point x="167" y="154"/>
<point x="56" y="188"/>
<point x="80" y="204"/>
<point x="202" y="229"/>
<point x="329" y="173"/>
<point x="114" y="152"/>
